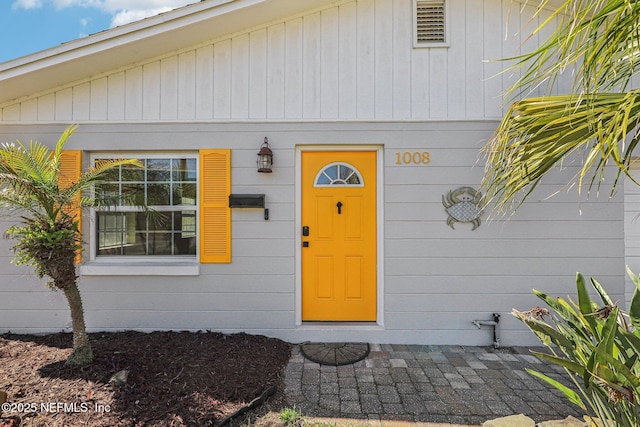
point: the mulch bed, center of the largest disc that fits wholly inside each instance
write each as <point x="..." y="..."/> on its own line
<point x="174" y="378"/>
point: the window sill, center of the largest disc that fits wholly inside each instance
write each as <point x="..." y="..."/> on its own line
<point x="97" y="268"/>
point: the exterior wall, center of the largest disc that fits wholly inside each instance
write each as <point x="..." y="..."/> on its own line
<point x="436" y="280"/>
<point x="345" y="75"/>
<point x="632" y="229"/>
<point x="350" y="61"/>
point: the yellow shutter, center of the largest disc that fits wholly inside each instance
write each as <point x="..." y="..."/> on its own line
<point x="215" y="215"/>
<point x="70" y="170"/>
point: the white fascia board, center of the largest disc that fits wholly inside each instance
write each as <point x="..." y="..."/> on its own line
<point x="104" y="39"/>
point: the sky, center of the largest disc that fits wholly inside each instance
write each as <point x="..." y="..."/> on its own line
<point x="29" y="26"/>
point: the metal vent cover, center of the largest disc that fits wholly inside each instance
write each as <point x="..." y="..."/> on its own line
<point x="430" y="21"/>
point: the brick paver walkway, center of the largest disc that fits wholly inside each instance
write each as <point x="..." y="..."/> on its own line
<point x="436" y="384"/>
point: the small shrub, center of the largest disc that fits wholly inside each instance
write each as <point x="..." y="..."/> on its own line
<point x="598" y="348"/>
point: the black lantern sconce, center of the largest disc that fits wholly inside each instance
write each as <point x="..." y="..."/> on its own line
<point x="265" y="157"/>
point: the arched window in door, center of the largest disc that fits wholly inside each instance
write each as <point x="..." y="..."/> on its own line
<point x="338" y="174"/>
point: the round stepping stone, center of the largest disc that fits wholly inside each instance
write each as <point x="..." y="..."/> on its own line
<point x="335" y="354"/>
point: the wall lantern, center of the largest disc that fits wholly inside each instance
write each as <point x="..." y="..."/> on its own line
<point x="265" y="157"/>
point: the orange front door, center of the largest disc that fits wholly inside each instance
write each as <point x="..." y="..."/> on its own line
<point x="339" y="236"/>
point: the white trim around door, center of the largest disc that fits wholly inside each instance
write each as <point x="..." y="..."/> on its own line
<point x="380" y="234"/>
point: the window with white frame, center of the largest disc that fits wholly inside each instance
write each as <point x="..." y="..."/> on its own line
<point x="168" y="186"/>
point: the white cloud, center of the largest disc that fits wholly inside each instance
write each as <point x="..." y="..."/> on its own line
<point x="129" y="15"/>
<point x="121" y="11"/>
<point x="26" y="4"/>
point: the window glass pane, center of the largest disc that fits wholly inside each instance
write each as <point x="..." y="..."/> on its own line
<point x="134" y="240"/>
<point x="344" y="172"/>
<point x="108" y="192"/>
<point x="185" y="222"/>
<point x="136" y="245"/>
<point x="158" y="169"/>
<point x="137" y="221"/>
<point x="185" y="236"/>
<point x="132" y="173"/>
<point x="111" y="174"/>
<point x="159" y="221"/>
<point x="160" y="243"/>
<point x="184" y="194"/>
<point x="331" y="172"/>
<point x="135" y="233"/>
<point x="110" y="227"/>
<point x="133" y="192"/>
<point x="159" y="194"/>
<point x="184" y="245"/>
<point x="184" y="169"/>
<point x="353" y="179"/>
<point x="323" y="180"/>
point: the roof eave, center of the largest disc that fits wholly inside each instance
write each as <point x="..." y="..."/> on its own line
<point x="139" y="41"/>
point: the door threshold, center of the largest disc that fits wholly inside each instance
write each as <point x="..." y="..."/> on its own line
<point x="339" y="325"/>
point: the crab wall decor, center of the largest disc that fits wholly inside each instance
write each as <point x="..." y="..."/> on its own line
<point x="462" y="206"/>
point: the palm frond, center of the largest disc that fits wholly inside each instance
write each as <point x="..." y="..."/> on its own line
<point x="22" y="189"/>
<point x="32" y="163"/>
<point x="57" y="153"/>
<point x="93" y="179"/>
<point x="30" y="181"/>
<point x="600" y="38"/>
<point x="536" y="134"/>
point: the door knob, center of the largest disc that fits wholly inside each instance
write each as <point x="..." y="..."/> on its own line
<point x="339" y="205"/>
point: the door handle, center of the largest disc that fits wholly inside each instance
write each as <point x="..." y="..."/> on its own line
<point x="339" y="205"/>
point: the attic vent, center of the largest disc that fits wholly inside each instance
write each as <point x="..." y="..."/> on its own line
<point x="430" y="22"/>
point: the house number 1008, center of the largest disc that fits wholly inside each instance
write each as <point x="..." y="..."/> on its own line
<point x="415" y="158"/>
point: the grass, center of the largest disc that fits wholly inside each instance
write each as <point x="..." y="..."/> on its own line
<point x="292" y="417"/>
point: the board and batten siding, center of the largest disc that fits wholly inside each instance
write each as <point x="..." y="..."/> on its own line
<point x="436" y="280"/>
<point x="351" y="61"/>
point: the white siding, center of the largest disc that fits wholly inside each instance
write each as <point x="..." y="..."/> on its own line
<point x="99" y="90"/>
<point x="350" y="61"/>
<point x="134" y="90"/>
<point x="151" y="91"/>
<point x="204" y="83"/>
<point x="258" y="75"/>
<point x="402" y="65"/>
<point x="221" y="77"/>
<point x="275" y="102"/>
<point x="81" y="102"/>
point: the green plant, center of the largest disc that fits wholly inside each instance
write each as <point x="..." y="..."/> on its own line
<point x="599" y="348"/>
<point x="36" y="188"/>
<point x="596" y="44"/>
<point x="290" y="416"/>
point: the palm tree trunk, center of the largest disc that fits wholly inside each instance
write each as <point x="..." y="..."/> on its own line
<point x="81" y="354"/>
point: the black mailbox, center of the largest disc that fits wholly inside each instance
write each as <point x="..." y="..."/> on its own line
<point x="246" y="201"/>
